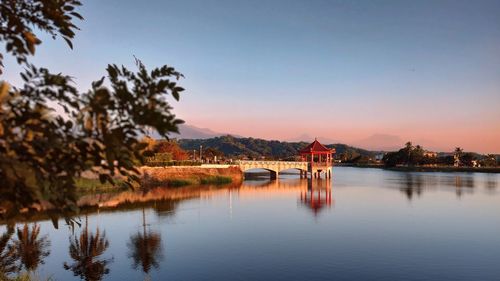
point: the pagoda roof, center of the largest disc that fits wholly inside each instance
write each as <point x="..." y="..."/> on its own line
<point x="315" y="146"/>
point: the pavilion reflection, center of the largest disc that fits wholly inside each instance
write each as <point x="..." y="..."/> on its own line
<point x="318" y="195"/>
<point x="313" y="194"/>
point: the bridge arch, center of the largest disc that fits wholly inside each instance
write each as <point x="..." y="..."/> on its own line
<point x="273" y="173"/>
<point x="292" y="169"/>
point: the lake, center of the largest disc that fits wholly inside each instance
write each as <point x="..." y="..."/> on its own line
<point x="364" y="224"/>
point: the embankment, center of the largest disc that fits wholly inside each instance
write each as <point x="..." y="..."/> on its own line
<point x="186" y="175"/>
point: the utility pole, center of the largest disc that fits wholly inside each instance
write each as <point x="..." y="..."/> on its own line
<point x="201" y="149"/>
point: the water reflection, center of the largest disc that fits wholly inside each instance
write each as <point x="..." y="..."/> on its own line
<point x="27" y="251"/>
<point x="491" y="182"/>
<point x="30" y="247"/>
<point x="86" y="251"/>
<point x="8" y="256"/>
<point x="317" y="196"/>
<point x="414" y="184"/>
<point x="273" y="212"/>
<point x="145" y="249"/>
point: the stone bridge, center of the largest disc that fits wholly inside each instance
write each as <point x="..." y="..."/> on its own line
<point x="275" y="167"/>
<point x="306" y="169"/>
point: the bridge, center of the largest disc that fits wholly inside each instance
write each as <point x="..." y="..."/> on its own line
<point x="275" y="167"/>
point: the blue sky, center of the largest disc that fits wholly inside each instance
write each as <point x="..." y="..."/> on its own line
<point x="427" y="71"/>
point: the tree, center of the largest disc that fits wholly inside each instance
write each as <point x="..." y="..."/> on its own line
<point x="468" y="159"/>
<point x="408" y="148"/>
<point x="51" y="16"/>
<point x="391" y="159"/>
<point x="173" y="148"/>
<point x="489" y="161"/>
<point x="42" y="151"/>
<point x="457" y="155"/>
<point x="417" y="155"/>
<point x="210" y="154"/>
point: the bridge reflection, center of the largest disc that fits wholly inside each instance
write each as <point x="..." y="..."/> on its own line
<point x="315" y="194"/>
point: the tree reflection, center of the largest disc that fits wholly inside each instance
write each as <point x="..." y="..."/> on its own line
<point x="86" y="252"/>
<point x="145" y="248"/>
<point x="31" y="249"/>
<point x="8" y="257"/>
<point x="413" y="185"/>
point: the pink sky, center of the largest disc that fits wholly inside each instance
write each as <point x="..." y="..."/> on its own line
<point x="425" y="71"/>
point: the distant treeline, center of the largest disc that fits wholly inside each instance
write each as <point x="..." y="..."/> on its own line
<point x="411" y="155"/>
<point x="253" y="148"/>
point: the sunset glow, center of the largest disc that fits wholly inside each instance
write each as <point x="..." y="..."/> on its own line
<point x="423" y="71"/>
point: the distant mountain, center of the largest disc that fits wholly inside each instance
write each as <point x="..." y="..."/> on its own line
<point x="308" y="138"/>
<point x="192" y="132"/>
<point x="381" y="142"/>
<point x="256" y="148"/>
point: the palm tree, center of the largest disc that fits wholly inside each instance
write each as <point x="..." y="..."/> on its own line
<point x="145" y="248"/>
<point x="30" y="248"/>
<point x="408" y="148"/>
<point x="457" y="156"/>
<point x="86" y="251"/>
<point x="8" y="257"/>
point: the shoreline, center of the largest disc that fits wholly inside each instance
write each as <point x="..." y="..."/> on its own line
<point x="448" y="169"/>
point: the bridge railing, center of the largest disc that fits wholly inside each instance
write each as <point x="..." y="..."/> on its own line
<point x="273" y="162"/>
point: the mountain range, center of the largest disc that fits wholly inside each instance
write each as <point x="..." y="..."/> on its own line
<point x="256" y="148"/>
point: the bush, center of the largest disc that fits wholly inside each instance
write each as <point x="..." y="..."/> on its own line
<point x="216" y="180"/>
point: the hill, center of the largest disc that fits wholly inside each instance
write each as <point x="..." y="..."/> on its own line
<point x="259" y="148"/>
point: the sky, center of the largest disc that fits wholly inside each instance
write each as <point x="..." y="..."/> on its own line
<point x="358" y="72"/>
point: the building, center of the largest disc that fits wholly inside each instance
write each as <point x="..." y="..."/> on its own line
<point x="320" y="158"/>
<point x="430" y="154"/>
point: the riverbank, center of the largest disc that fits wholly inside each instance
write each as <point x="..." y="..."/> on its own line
<point x="426" y="168"/>
<point x="176" y="176"/>
<point x="169" y="176"/>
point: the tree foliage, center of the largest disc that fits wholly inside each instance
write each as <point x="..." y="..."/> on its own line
<point x="50" y="132"/>
<point x="258" y="148"/>
<point x="408" y="155"/>
<point x="172" y="148"/>
<point x="18" y="18"/>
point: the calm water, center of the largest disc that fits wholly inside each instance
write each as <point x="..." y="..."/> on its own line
<point x="366" y="224"/>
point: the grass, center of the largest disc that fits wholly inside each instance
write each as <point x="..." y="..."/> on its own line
<point x="216" y="180"/>
<point x="85" y="185"/>
<point x="179" y="182"/>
